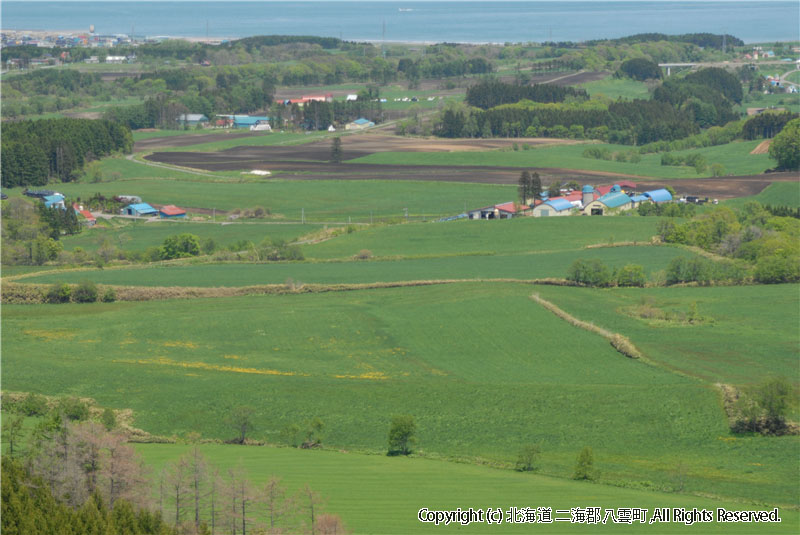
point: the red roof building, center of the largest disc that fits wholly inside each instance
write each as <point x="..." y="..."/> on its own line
<point x="171" y="211"/>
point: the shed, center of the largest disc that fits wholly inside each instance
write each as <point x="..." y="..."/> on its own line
<point x="246" y="121"/>
<point x="659" y="195"/>
<point x="553" y="207"/>
<point x="351" y="98"/>
<point x="139" y="209"/>
<point x="54" y="201"/>
<point x="171" y="211"/>
<point x="359" y="124"/>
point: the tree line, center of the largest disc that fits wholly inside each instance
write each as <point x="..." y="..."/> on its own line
<point x="36" y="151"/>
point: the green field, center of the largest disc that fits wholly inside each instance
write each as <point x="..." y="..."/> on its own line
<point x="355" y="358"/>
<point x="778" y="100"/>
<point x="322" y="200"/>
<point x="378" y="494"/>
<point x="776" y="194"/>
<point x="138" y="235"/>
<point x="256" y="139"/>
<point x="505" y="236"/>
<point x="515" y="266"/>
<point x="615" y="88"/>
<point x="735" y="157"/>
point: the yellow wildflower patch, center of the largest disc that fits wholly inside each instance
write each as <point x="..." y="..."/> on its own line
<point x="378" y="376"/>
<point x="178" y="343"/>
<point x="50" y="335"/>
<point x="163" y="361"/>
<point x="231" y="357"/>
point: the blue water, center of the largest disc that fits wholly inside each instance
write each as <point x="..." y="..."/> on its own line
<point x="497" y="22"/>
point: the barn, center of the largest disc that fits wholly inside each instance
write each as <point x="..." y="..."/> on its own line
<point x="359" y="124"/>
<point x="139" y="209"/>
<point x="171" y="211"/>
<point x="613" y="200"/>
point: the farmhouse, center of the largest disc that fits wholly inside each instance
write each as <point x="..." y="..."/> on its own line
<point x="359" y="124"/>
<point x="139" y="209"/>
<point x="88" y="218"/>
<point x="171" y="211"/>
<point x="54" y="201"/>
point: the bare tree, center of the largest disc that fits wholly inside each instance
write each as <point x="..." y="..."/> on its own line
<point x="177" y="482"/>
<point x="328" y="524"/>
<point x="124" y="472"/>
<point x="198" y="471"/>
<point x="312" y="503"/>
<point x="276" y="504"/>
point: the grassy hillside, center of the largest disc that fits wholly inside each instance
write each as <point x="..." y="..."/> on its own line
<point x="776" y="194"/>
<point x="356" y="358"/>
<point x="735" y="157"/>
<point x="378" y="494"/>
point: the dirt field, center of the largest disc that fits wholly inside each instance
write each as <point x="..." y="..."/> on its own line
<point x="189" y="139"/>
<point x="310" y="162"/>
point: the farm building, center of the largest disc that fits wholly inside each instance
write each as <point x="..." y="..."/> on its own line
<point x="553" y="207"/>
<point x="54" y="201"/>
<point x="351" y="98"/>
<point x="498" y="211"/>
<point x="359" y="124"/>
<point x="613" y="200"/>
<point x="139" y="209"/>
<point x="88" y="218"/>
<point x="192" y="119"/>
<point x="248" y="121"/>
<point x="171" y="211"/>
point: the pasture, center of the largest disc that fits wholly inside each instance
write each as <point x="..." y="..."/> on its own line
<point x="735" y="157"/>
<point x="515" y="266"/>
<point x="615" y="88"/>
<point x="323" y="201"/>
<point x="355" y="358"/>
<point x="378" y="494"/>
<point x="776" y="194"/>
<point x="139" y="235"/>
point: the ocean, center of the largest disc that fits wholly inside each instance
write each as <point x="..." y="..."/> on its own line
<point x="413" y="21"/>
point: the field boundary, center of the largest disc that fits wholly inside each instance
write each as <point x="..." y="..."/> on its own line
<point x="31" y="294"/>
<point x="621" y="343"/>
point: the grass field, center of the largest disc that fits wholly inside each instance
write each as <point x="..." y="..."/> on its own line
<point x="519" y="266"/>
<point x="728" y="348"/>
<point x="778" y="100"/>
<point x="357" y="489"/>
<point x="257" y="139"/>
<point x="138" y="235"/>
<point x="735" y="157"/>
<point x="615" y="88"/>
<point x="504" y="236"/>
<point x="776" y="194"/>
<point x="355" y="358"/>
<point x="139" y="135"/>
<point x="324" y="200"/>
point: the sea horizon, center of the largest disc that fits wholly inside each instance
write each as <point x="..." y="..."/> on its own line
<point x="412" y="21"/>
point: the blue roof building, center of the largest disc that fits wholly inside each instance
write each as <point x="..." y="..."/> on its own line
<point x="612" y="200"/>
<point x="553" y="208"/>
<point x="659" y="195"/>
<point x="246" y="121"/>
<point x="54" y="201"/>
<point x="139" y="209"/>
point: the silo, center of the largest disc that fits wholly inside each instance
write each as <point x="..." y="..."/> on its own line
<point x="588" y="194"/>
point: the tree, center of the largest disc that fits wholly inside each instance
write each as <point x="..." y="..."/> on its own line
<point x="528" y="455"/>
<point x="584" y="466"/>
<point x="241" y="420"/>
<point x="85" y="292"/>
<point x="336" y="150"/>
<point x="524" y="186"/>
<point x="554" y="190"/>
<point x="536" y="185"/>
<point x="12" y="431"/>
<point x="785" y="147"/>
<point x="773" y="397"/>
<point x="180" y="246"/>
<point x="402" y="435"/>
<point x="109" y="419"/>
<point x="631" y="275"/>
<point x="276" y="503"/>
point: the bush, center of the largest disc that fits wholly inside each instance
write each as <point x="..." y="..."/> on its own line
<point x="108" y="419"/>
<point x="73" y="409"/>
<point x="777" y="269"/>
<point x="85" y="292"/>
<point x="402" y="435"/>
<point x="589" y="272"/>
<point x="109" y="295"/>
<point x="180" y="246"/>
<point x="527" y="458"/>
<point x="33" y="405"/>
<point x="364" y="254"/>
<point x="584" y="466"/>
<point x="631" y="275"/>
<point x="59" y="292"/>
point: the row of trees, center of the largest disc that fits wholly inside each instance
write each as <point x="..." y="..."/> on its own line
<point x="36" y="151"/>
